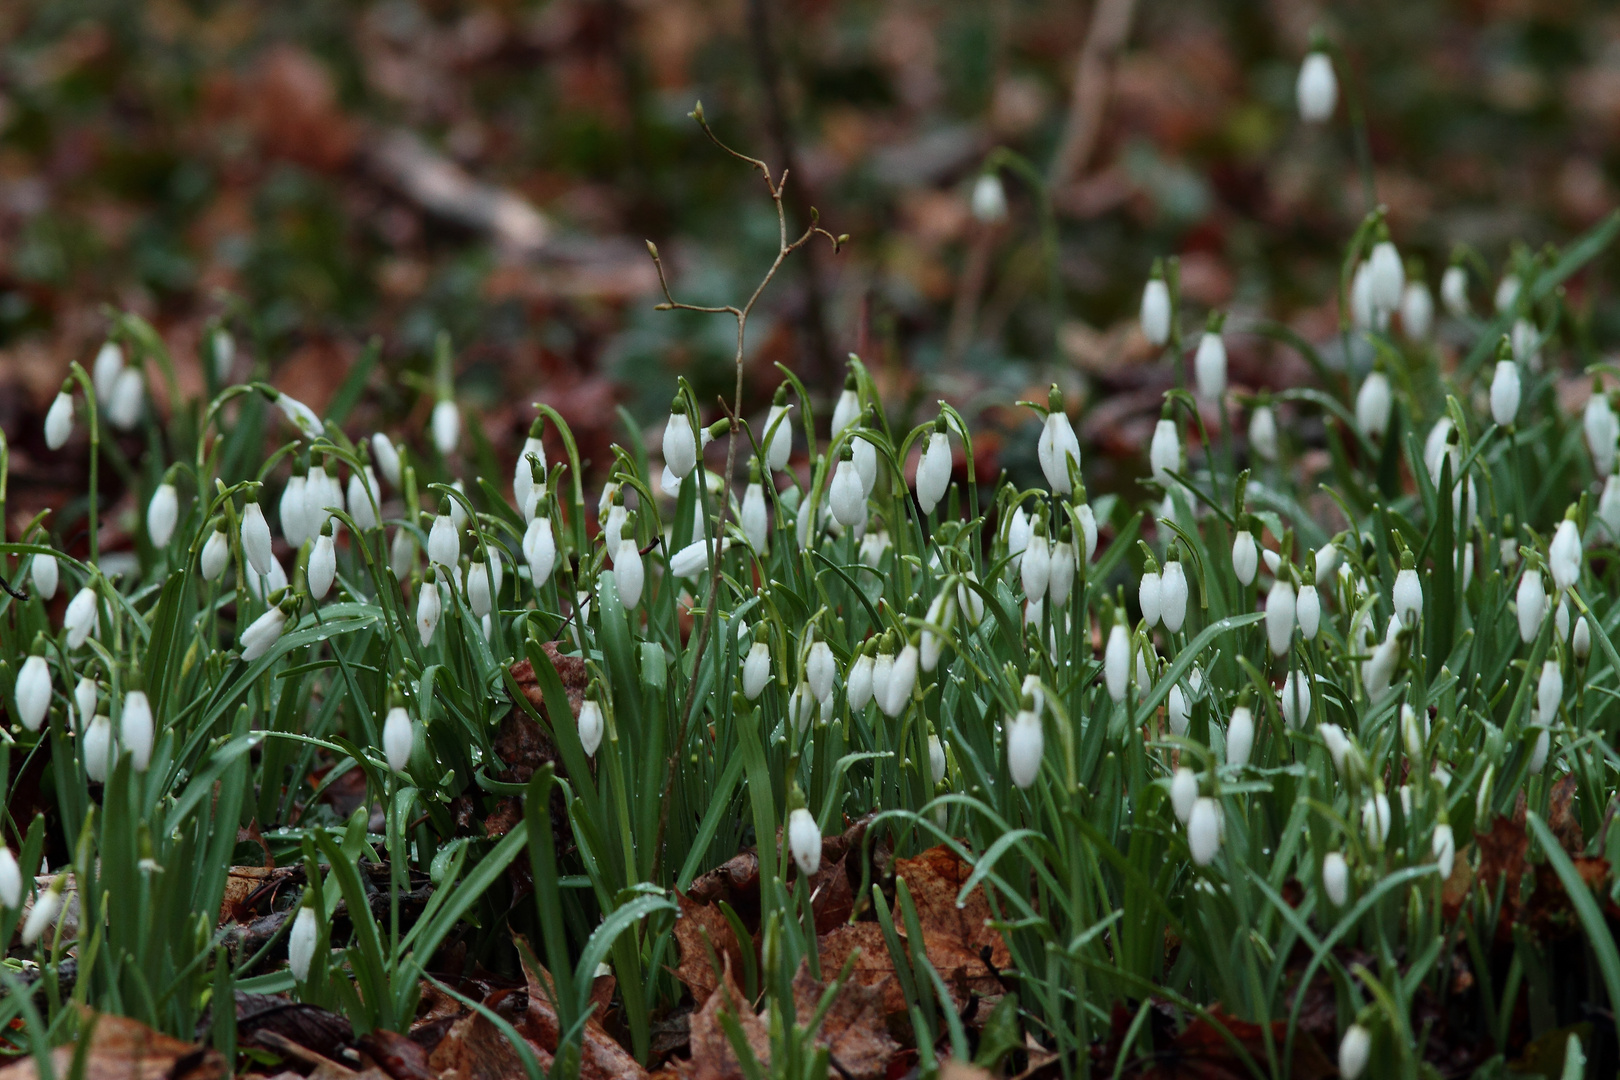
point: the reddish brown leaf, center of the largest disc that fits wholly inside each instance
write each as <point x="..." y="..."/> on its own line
<point x="601" y="1057"/>
<point x="125" y="1049"/>
<point x="712" y="1055"/>
<point x="853" y="1030"/>
<point x="935" y="878"/>
<point x="1501" y="854"/>
<point x="698" y="929"/>
<point x="832" y="900"/>
<point x="401" y="1058"/>
<point x="873" y="969"/>
<point x="1561" y="817"/>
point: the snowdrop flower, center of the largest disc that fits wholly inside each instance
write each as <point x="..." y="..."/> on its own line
<point x="1444" y="846"/>
<point x="402" y="553"/>
<point x="1025" y="744"/>
<point x="1505" y="393"/>
<point x="756" y="669"/>
<point x="255" y="535"/>
<point x="444" y="546"/>
<point x="224" y="349"/>
<point x="1580" y="643"/>
<point x="1179" y="713"/>
<point x="1060" y="573"/>
<point x="1088" y="531"/>
<point x="322" y="569"/>
<point x="1379" y="669"/>
<point x="1525" y="344"/>
<point x="778" y="432"/>
<point x="1035" y="570"/>
<point x="298" y="414"/>
<point x="934" y="469"/>
<point x="628" y="571"/>
<point x="1273" y="560"/>
<point x="846" y="495"/>
<point x="936" y="759"/>
<point x="1337" y="744"/>
<point x="104" y="371"/>
<point x="1327" y="560"/>
<point x="1240" y="736"/>
<point x="801" y="705"/>
<point x="1209" y="366"/>
<point x="10" y="879"/>
<point x="59" y="419"/>
<point x="33" y="691"/>
<point x="128" y="400"/>
<point x="1601" y="428"/>
<point x="1144" y="677"/>
<point x="1375" y="819"/>
<point x="301" y="943"/>
<point x="98" y="749"/>
<point x="216" y="553"/>
<point x="1058" y="446"/>
<point x="1538" y="752"/>
<point x="1308" y="611"/>
<point x="47" y="906"/>
<point x="1117" y="661"/>
<point x="1245" y="557"/>
<point x="1532" y="603"/>
<point x="1417" y="311"/>
<point x="429" y="606"/>
<point x="262" y="633"/>
<point x="592" y="726"/>
<point x="1173" y="596"/>
<point x="860" y="682"/>
<point x="693" y="559"/>
<point x="1156" y="309"/>
<point x="82" y="618"/>
<point x="680" y="440"/>
<point x="1373" y="405"/>
<point x="1316" y="91"/>
<point x="1414" y="731"/>
<point x="821" y="669"/>
<point x="1608" y="507"/>
<point x="363" y="499"/>
<point x="43" y="572"/>
<point x="135" y="730"/>
<point x="321" y="494"/>
<point x="1263" y="433"/>
<point x="1550" y="691"/>
<point x="386" y="457"/>
<point x="864" y="453"/>
<point x="1454" y="290"/>
<point x="1018" y="534"/>
<point x="1386" y="277"/>
<point x="902" y="680"/>
<point x="1295" y="699"/>
<point x="397" y="737"/>
<point x="1164" y="452"/>
<point x="848" y="408"/>
<point x="1407" y="595"/>
<point x="941" y="613"/>
<point x="754" y="517"/>
<point x="1281" y="609"/>
<point x="291" y="510"/>
<point x="1507" y="292"/>
<point x="989" y="200"/>
<point x="1183" y="793"/>
<point x="804" y="841"/>
<point x="1204" y="830"/>
<point x="1363" y="314"/>
<point x="1564" y="553"/>
<point x="446" y="426"/>
<point x="1439" y="445"/>
<point x="1354" y="1050"/>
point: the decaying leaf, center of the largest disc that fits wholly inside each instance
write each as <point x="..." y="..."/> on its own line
<point x="713" y="1057"/>
<point x="873" y="970"/>
<point x="699" y="929"/>
<point x="1202" y="1051"/>
<point x="125" y="1049"/>
<point x="1501" y="854"/>
<point x="853" y="1031"/>
<point x="601" y="1057"/>
<point x="958" y="938"/>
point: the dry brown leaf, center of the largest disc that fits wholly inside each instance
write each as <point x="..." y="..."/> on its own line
<point x="600" y="1058"/>
<point x="1561" y="818"/>
<point x="873" y="969"/>
<point x="474" y="1049"/>
<point x="1501" y="854"/>
<point x="853" y="1031"/>
<point x="935" y="878"/>
<point x="125" y="1049"/>
<point x="832" y="900"/>
<point x="712" y="1055"/>
<point x="699" y="928"/>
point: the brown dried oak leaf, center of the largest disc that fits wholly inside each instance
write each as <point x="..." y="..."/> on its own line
<point x="125" y="1049"/>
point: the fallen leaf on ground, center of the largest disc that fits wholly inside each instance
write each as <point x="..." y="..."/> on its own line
<point x="125" y="1049"/>
<point x="712" y="1055"/>
<point x="853" y="1031"/>
<point x="698" y="929"/>
<point x="873" y="970"/>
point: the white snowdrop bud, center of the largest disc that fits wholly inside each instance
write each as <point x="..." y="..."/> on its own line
<point x="1179" y="713"/>
<point x="1601" y="428"/>
<point x="1316" y="91"/>
<point x="1608" y="510"/>
<point x="1336" y="878"/>
<point x="941" y="613"/>
<point x="1507" y="292"/>
<point x="1505" y="392"/>
<point x="224" y="347"/>
<point x="846" y="496"/>
<point x="1173" y="596"/>
<point x="104" y="371"/>
<point x="386" y="457"/>
<point x="98" y="746"/>
<point x="82" y="617"/>
<point x="255" y="537"/>
<point x="592" y="726"/>
<point x="1354" y="1049"/>
<point x="59" y="421"/>
<point x="1273" y="560"/>
<point x="444" y="546"/>
<point x="1550" y="691"/>
<point x="44" y="572"/>
<point x="628" y="571"/>
<point x="446" y="425"/>
<point x="33" y="692"/>
<point x="1581" y="642"/>
<point x="292" y="510"/>
<point x="1561" y="619"/>
<point x="1204" y="830"/>
<point x="1060" y="574"/>
<point x="1377" y="672"/>
<point x="1156" y="312"/>
<point x="47" y="906"/>
<point x="301" y="943"/>
<point x="1209" y="366"/>
<point x="1386" y="277"/>
<point x="1088" y="531"/>
<point x="429" y="606"/>
<point x="10" y="879"/>
<point x="1337" y="744"/>
<point x="1036" y="568"/>
<point x="1525" y="344"/>
<point x="262" y="633"/>
<point x="1019" y="530"/>
<point x="1308" y="611"/>
<point x="1538" y="753"/>
<point x="1150" y="596"/>
<point x="1117" y="661"/>
<point x="848" y="408"/>
<point x="1032" y="689"/>
<point x="1057" y="446"/>
<point x="1164" y="452"/>
<point x="1362" y="312"/>
<point x="1414" y="731"/>
<point x="1417" y="311"/>
<point x="1444" y="846"/>
<point x="1245" y="557"/>
<point x="755" y="517"/>
<point x="778" y="436"/>
<point x="989" y="200"/>
<point x="821" y="670"/>
<point x="1564" y="554"/>
<point x="680" y="441"/>
<point x="1454" y="291"/>
<point x="1373" y="405"/>
<point x="402" y="553"/>
<point x="363" y="499"/>
<point x="933" y="472"/>
<point x="84" y="701"/>
<point x="128" y="400"/>
<point x="1025" y="745"/>
<point x="804" y="841"/>
<point x="902" y="680"/>
<point x="216" y="554"/>
<point x="135" y="729"/>
<point x="1263" y="433"/>
<point x="864" y="454"/>
<point x="1295" y="699"/>
<point x="322" y="570"/>
<point x="693" y="559"/>
<point x="1240" y="736"/>
<point x="860" y="682"/>
<point x="1531" y="599"/>
<point x="1281" y="609"/>
<point x="1375" y="819"/>
<point x="1408" y="596"/>
<point x="756" y="670"/>
<point x="1183" y="793"/>
<point x="1327" y="560"/>
<point x="397" y="736"/>
<point x="539" y="550"/>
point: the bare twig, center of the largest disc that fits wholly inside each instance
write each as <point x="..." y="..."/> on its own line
<point x="1093" y="73"/>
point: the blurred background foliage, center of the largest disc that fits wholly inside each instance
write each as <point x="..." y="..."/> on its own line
<point x="403" y="167"/>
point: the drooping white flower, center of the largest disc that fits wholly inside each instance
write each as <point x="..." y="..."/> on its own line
<point x="1263" y="433"/>
<point x="1150" y="596"/>
<point x="104" y="371"/>
<point x="1505" y="392"/>
<point x="1550" y="691"/>
<point x="1245" y="557"/>
<point x="1539" y="752"/>
<point x="1179" y="713"/>
<point x="98" y="749"/>
<point x="47" y="906"/>
<point x="1417" y="311"/>
<point x="1209" y="366"/>
<point x="216" y="554"/>
<point x="693" y="559"/>
<point x="446" y="425"/>
<point x="1240" y="736"/>
<point x="860" y="682"/>
<point x="592" y="726"/>
<point x="1386" y="277"/>
<point x="1414" y="731"/>
<point x="1580" y="642"/>
<point x="1601" y="428"/>
<point x="1308" y="611"/>
<point x="262" y="633"/>
<point x="224" y="347"/>
<point x="322" y="569"/>
<point x="936" y="759"/>
<point x="1373" y="405"/>
<point x="1327" y="560"/>
<point x="82" y="617"/>
<point x="1375" y="819"/>
<point x="444" y="546"/>
<point x="1354" y="1050"/>
<point x="1057" y="446"/>
<point x="1204" y="830"/>
<point x="44" y="572"/>
<point x="1183" y="793"/>
<point x="1363" y="315"/>
<point x="1019" y="530"/>
<point x="680" y="440"/>
<point x="128" y="400"/>
<point x="1281" y="611"/>
<point x="1454" y="290"/>
<point x="804" y="841"/>
<point x="364" y="499"/>
<point x="1025" y="745"/>
<point x="1088" y="531"/>
<point x="848" y="408"/>
<point x="821" y="670"/>
<point x="864" y="453"/>
<point x="1164" y="452"/>
<point x="1337" y="744"/>
<point x="1117" y="661"/>
<point x="989" y="201"/>
<point x="941" y="613"/>
<point x="933" y="472"/>
<point x="301" y="941"/>
<point x="33" y="692"/>
<point x="778" y="433"/>
<point x="755" y="517"/>
<point x="1564" y="554"/>
<point x="255" y="537"/>
<point x="1316" y="90"/>
<point x="292" y="512"/>
<point x="846" y="496"/>
<point x="1444" y="846"/>
<point x="1407" y="595"/>
<point x="1531" y="599"/>
<point x="902" y="680"/>
<point x="429" y="606"/>
<point x="10" y="879"/>
<point x="1294" y="699"/>
<point x="1173" y="596"/>
<point x="135" y="729"/>
<point x="628" y="571"/>
<point x="386" y="457"/>
<point x="1035" y="570"/>
<point x="1060" y="574"/>
<point x="756" y="670"/>
<point x="1379" y="669"/>
<point x="397" y="737"/>
<point x="1156" y="312"/>
<point x="1525" y="344"/>
<point x="59" y="420"/>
